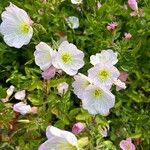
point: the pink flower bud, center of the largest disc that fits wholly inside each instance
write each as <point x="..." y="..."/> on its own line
<point x="49" y="73"/>
<point x="62" y="88"/>
<point x="127" y="144"/>
<point x="133" y="4"/>
<point x="34" y="110"/>
<point x="22" y="108"/>
<point x="77" y="128"/>
<point x="123" y="76"/>
<point x="112" y="26"/>
<point x="127" y="35"/>
<point x="20" y="95"/>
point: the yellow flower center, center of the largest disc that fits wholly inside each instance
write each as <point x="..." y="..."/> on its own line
<point x="97" y="93"/>
<point x="128" y="147"/>
<point x="25" y="27"/>
<point x="67" y="146"/>
<point x="66" y="57"/>
<point x="85" y="83"/>
<point x="103" y="74"/>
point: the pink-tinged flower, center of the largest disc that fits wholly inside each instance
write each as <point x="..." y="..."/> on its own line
<point x="49" y="73"/>
<point x="20" y="95"/>
<point x="119" y="85"/>
<point x="133" y="14"/>
<point x="123" y="76"/>
<point x="34" y="110"/>
<point x="127" y="35"/>
<point x="22" y="108"/>
<point x="133" y="4"/>
<point x="62" y="88"/>
<point x="77" y="128"/>
<point x="127" y="144"/>
<point x="112" y="26"/>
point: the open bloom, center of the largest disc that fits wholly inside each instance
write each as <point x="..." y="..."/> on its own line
<point x="22" y="108"/>
<point x="16" y="26"/>
<point x="80" y="84"/>
<point x="98" y="100"/>
<point x="106" y="56"/>
<point x="59" y="140"/>
<point x="68" y="58"/>
<point x="103" y="74"/>
<point x="76" y="1"/>
<point x="73" y="22"/>
<point x="133" y="4"/>
<point x="127" y="144"/>
<point x="43" y="56"/>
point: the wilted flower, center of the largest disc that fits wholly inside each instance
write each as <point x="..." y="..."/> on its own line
<point x="43" y="56"/>
<point x="68" y="58"/>
<point x="22" y="108"/>
<point x="103" y="74"/>
<point x="73" y="22"/>
<point x="76" y="1"/>
<point x="112" y="26"/>
<point x="78" y="127"/>
<point x="127" y="144"/>
<point x="49" y="73"/>
<point x="119" y="85"/>
<point x="59" y="140"/>
<point x="133" y="4"/>
<point x="98" y="100"/>
<point x="20" y="95"/>
<point x="104" y="131"/>
<point x="16" y="26"/>
<point x="123" y="76"/>
<point x="127" y="35"/>
<point x="80" y="84"/>
<point x="133" y="14"/>
<point x="105" y="57"/>
<point x="62" y="88"/>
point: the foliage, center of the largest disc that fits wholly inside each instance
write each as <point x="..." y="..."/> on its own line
<point x="130" y="116"/>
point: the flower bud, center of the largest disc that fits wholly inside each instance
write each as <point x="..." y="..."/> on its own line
<point x="62" y="88"/>
<point x="127" y="35"/>
<point x="10" y="90"/>
<point x="133" y="4"/>
<point x="77" y="128"/>
<point x="20" y="95"/>
<point x="22" y="108"/>
<point x="49" y="73"/>
<point x="34" y="110"/>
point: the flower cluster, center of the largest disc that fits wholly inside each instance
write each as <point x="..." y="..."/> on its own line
<point x="94" y="89"/>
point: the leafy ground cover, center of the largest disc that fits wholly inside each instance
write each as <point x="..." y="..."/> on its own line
<point x="130" y="116"/>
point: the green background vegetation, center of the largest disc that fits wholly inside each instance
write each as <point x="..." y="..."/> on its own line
<point x="131" y="115"/>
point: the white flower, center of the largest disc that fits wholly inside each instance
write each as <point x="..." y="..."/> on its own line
<point x="62" y="88"/>
<point x="119" y="85"/>
<point x="76" y="1"/>
<point x="20" y="95"/>
<point x="98" y="100"/>
<point x="106" y="56"/>
<point x="103" y="74"/>
<point x="68" y="58"/>
<point x="80" y="84"/>
<point x="16" y="26"/>
<point x="22" y="108"/>
<point x="10" y="91"/>
<point x="73" y="22"/>
<point x="43" y="56"/>
<point x="59" y="140"/>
